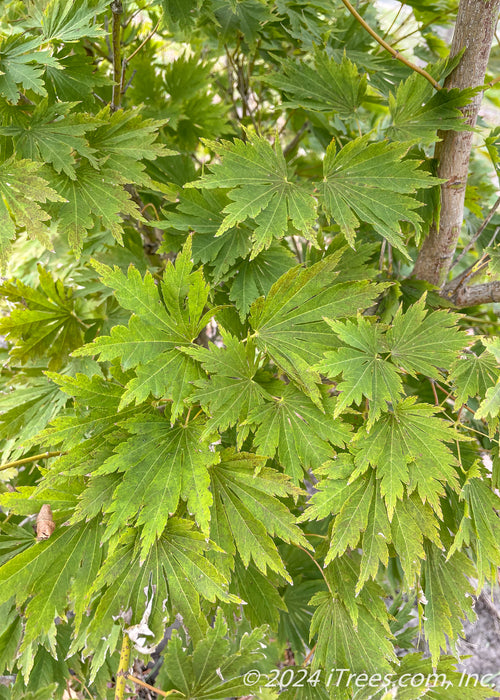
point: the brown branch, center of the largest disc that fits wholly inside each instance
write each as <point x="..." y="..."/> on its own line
<point x="478" y="233"/>
<point x="34" y="458"/>
<point x="475" y="294"/>
<point x="117" y="10"/>
<point x="394" y="53"/>
<point x="474" y="31"/>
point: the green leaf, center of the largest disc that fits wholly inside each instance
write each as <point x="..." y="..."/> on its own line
<point x="201" y="212"/>
<point x="289" y="323"/>
<point x="365" y="370"/>
<point x="301" y="433"/>
<point x="67" y="20"/>
<point x="410" y="434"/>
<point x="418" y="111"/>
<point x="160" y="464"/>
<point x="371" y="182"/>
<point x="491" y="403"/>
<point x="447" y="592"/>
<point x="45" y="323"/>
<point x="326" y="87"/>
<point x="261" y="188"/>
<point x="124" y="140"/>
<point x="340" y="644"/>
<point x="246" y="514"/>
<point x="92" y="197"/>
<point x="175" y="570"/>
<point x="21" y="65"/>
<point x="50" y="571"/>
<point x="480" y="526"/>
<point x="472" y="375"/>
<point x="53" y="135"/>
<point x="166" y="320"/>
<point x="213" y="670"/>
<point x="250" y="279"/>
<point x="232" y="391"/>
<point x="425" y="343"/>
<point x="22" y="191"/>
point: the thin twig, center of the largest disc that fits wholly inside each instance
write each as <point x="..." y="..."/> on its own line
<point x="317" y="564"/>
<point x="389" y="48"/>
<point x="296" y="139"/>
<point x="308" y="657"/>
<point x="33" y="458"/>
<point x="478" y="233"/>
<point x="143" y="684"/>
<point x="123" y="666"/>
<point x="149" y="36"/>
<point x="493" y="82"/>
<point x="117" y="10"/>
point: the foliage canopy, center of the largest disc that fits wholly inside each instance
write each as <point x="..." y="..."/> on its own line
<point x="254" y="428"/>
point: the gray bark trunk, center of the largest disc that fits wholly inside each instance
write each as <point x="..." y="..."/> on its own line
<point x="474" y="31"/>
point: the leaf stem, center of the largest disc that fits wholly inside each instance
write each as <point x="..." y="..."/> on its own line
<point x="33" y="458"/>
<point x="123" y="666"/>
<point x="117" y="10"/>
<point x="319" y="567"/>
<point x="143" y="684"/>
<point x="389" y="48"/>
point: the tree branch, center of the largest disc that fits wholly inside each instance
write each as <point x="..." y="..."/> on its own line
<point x="474" y="31"/>
<point x="394" y="53"/>
<point x="28" y="460"/>
<point x="123" y="666"/>
<point x="464" y="296"/>
<point x="117" y="10"/>
<point x="478" y="233"/>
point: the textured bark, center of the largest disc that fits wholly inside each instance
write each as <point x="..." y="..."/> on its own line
<point x="474" y="31"/>
<point x="464" y="296"/>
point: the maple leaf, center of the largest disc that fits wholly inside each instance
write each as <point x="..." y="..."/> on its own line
<point x="327" y="87"/>
<point x="232" y="390"/>
<point x="425" y="343"/>
<point x="21" y="64"/>
<point x="124" y="140"/>
<point x="301" y="433"/>
<point x="176" y="570"/>
<point x="491" y="403"/>
<point x="289" y="323"/>
<point x="96" y="402"/>
<point x="250" y="279"/>
<point x="446" y="589"/>
<point x="22" y="191"/>
<point x="66" y="20"/>
<point x="198" y="674"/>
<point x="472" y="375"/>
<point x="418" y="110"/>
<point x="480" y="525"/>
<point x="261" y="188"/>
<point x="410" y="434"/>
<point x="342" y="644"/>
<point x="160" y="464"/>
<point x="48" y="572"/>
<point x="246" y="514"/>
<point x="46" y="137"/>
<point x="89" y="197"/>
<point x="45" y="323"/>
<point x="365" y="370"/>
<point x="166" y="320"/>
<point x="371" y="182"/>
<point x="201" y="212"/>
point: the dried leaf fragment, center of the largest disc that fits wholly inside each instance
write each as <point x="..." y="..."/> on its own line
<point x="45" y="525"/>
